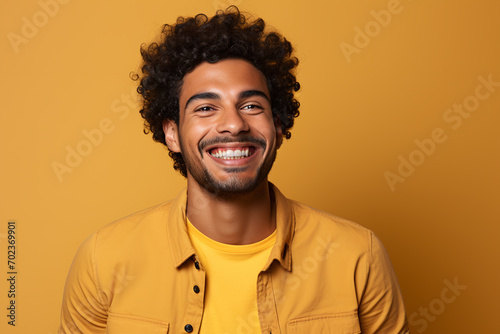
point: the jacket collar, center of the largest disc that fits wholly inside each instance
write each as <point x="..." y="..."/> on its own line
<point x="181" y="248"/>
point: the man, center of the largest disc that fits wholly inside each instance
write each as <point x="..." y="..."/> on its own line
<point x="231" y="254"/>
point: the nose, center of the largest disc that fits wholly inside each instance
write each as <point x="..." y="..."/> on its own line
<point x="232" y="121"/>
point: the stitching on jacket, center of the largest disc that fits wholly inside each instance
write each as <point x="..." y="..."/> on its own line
<point x="149" y="211"/>
<point x="304" y="207"/>
<point x="138" y="318"/>
<point x="95" y="275"/>
<point x="369" y="262"/>
<point x="352" y="314"/>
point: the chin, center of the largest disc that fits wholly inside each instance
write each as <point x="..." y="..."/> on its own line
<point x="232" y="187"/>
<point x="232" y="182"/>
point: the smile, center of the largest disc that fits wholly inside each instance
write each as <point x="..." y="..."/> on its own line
<point x="233" y="153"/>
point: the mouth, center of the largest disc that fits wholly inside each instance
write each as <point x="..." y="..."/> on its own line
<point x="232" y="153"/>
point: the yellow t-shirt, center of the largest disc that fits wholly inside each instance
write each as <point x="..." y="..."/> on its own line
<point x="231" y="282"/>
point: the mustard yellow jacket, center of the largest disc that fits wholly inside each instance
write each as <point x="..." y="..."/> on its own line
<point x="141" y="275"/>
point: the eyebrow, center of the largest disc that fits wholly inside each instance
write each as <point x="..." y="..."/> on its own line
<point x="215" y="96"/>
<point x="253" y="92"/>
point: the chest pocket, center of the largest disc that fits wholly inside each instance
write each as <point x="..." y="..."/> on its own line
<point x="341" y="323"/>
<point x="128" y="324"/>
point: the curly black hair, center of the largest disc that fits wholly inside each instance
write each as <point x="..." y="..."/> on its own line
<point x="194" y="40"/>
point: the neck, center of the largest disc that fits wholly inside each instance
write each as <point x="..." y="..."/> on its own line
<point x="238" y="221"/>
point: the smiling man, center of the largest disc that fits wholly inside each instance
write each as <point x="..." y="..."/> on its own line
<point x="231" y="254"/>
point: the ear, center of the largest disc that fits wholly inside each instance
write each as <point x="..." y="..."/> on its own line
<point x="171" y="131"/>
<point x="279" y="132"/>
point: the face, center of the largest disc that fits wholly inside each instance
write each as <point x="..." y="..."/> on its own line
<point x="226" y="133"/>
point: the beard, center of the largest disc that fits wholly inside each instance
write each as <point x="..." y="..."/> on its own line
<point x="233" y="187"/>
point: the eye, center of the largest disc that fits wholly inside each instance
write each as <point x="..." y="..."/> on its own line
<point x="252" y="107"/>
<point x="205" y="109"/>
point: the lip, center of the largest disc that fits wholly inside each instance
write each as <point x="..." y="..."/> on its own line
<point x="229" y="145"/>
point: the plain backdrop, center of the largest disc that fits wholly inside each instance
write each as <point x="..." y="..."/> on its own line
<point x="398" y="131"/>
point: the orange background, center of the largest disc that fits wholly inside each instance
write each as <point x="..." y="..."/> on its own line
<point x="360" y="115"/>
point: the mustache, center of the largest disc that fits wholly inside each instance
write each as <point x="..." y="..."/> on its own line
<point x="224" y="140"/>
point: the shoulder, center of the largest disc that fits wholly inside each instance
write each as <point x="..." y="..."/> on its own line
<point x="307" y="215"/>
<point x="311" y="224"/>
<point x="139" y="222"/>
<point x="130" y="235"/>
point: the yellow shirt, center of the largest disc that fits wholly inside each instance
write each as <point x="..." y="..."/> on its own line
<point x="324" y="275"/>
<point x="231" y="295"/>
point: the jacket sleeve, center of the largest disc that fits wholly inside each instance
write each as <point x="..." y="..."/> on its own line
<point x="381" y="309"/>
<point x="83" y="308"/>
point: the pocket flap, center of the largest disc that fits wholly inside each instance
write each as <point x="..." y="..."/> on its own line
<point x="338" y="323"/>
<point x="129" y="324"/>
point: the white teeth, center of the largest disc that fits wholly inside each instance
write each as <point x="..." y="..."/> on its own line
<point x="230" y="154"/>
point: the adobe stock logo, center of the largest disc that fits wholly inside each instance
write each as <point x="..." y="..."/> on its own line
<point x="31" y="25"/>
<point x="325" y="247"/>
<point x="453" y="117"/>
<point x="94" y="137"/>
<point x="437" y="306"/>
<point x="363" y="37"/>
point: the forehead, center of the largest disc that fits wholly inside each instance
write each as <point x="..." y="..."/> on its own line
<point x="227" y="77"/>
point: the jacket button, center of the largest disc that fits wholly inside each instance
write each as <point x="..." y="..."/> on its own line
<point x="188" y="328"/>
<point x="196" y="289"/>
<point x="196" y="265"/>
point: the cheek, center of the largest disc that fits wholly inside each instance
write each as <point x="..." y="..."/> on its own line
<point x="268" y="130"/>
<point x="193" y="133"/>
